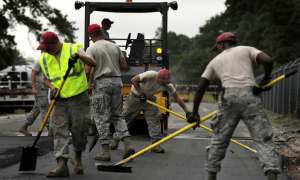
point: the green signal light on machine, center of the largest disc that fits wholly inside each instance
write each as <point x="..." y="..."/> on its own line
<point x="159" y="50"/>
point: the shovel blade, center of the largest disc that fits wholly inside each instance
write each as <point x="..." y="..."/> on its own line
<point x="29" y="158"/>
<point x="113" y="168"/>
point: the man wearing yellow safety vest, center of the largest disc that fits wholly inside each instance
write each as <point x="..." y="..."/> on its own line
<point x="67" y="115"/>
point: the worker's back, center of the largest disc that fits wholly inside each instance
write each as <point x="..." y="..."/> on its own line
<point x="108" y="57"/>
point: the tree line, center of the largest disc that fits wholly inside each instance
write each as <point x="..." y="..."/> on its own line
<point x="271" y="26"/>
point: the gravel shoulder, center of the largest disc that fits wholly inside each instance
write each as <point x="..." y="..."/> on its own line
<point x="287" y="142"/>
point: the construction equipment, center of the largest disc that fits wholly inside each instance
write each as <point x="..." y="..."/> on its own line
<point x="30" y="153"/>
<point x="121" y="166"/>
<point x="142" y="56"/>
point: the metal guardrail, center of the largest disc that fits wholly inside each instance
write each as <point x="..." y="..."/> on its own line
<point x="284" y="96"/>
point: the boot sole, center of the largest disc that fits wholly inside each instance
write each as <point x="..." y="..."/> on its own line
<point x="158" y="151"/>
<point x="113" y="148"/>
<point x="63" y="175"/>
<point x="102" y="159"/>
<point x="128" y="153"/>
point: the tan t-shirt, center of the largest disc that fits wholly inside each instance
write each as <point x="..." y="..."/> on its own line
<point x="107" y="56"/>
<point x="234" y="67"/>
<point x="150" y="86"/>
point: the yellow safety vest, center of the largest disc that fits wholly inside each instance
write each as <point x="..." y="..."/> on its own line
<point x="76" y="82"/>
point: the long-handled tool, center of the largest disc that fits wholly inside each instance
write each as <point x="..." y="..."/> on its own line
<point x="206" y="128"/>
<point x="30" y="153"/>
<point x="121" y="166"/>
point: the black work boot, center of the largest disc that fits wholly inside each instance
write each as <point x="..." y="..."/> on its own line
<point x="62" y="169"/>
<point x="128" y="148"/>
<point x="212" y="176"/>
<point x="271" y="175"/>
<point x="77" y="162"/>
<point x="104" y="155"/>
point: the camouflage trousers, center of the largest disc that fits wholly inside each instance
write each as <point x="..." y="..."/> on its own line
<point x="41" y="105"/>
<point x="70" y="115"/>
<point x="133" y="106"/>
<point x="240" y="104"/>
<point x="107" y="103"/>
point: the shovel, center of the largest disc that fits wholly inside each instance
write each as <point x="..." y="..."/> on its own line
<point x="30" y="153"/>
<point x="122" y="165"/>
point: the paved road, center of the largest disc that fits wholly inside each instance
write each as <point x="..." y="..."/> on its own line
<point x="184" y="157"/>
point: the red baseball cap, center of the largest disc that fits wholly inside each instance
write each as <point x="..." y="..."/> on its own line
<point x="226" y="36"/>
<point x="94" y="28"/>
<point x="106" y="21"/>
<point x="164" y="75"/>
<point x="46" y="38"/>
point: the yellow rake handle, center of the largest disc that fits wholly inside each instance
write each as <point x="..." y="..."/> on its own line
<point x="164" y="140"/>
<point x="51" y="106"/>
<point x="206" y="128"/>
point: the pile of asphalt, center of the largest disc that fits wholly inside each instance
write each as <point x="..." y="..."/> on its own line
<point x="11" y="156"/>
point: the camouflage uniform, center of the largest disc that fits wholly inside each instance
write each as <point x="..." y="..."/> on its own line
<point x="107" y="102"/>
<point x="133" y="106"/>
<point x="236" y="104"/>
<point x="70" y="115"/>
<point x="41" y="105"/>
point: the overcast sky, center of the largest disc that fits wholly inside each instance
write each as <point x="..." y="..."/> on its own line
<point x="191" y="14"/>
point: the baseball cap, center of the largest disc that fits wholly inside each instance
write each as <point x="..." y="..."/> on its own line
<point x="46" y="38"/>
<point x="226" y="36"/>
<point x="164" y="75"/>
<point x="94" y="28"/>
<point x="106" y="21"/>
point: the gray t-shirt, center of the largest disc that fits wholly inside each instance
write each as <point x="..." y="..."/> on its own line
<point x="150" y="86"/>
<point x="234" y="67"/>
<point x="107" y="56"/>
<point x="37" y="67"/>
<point x="105" y="34"/>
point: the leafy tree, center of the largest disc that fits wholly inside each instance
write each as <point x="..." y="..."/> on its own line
<point x="14" y="12"/>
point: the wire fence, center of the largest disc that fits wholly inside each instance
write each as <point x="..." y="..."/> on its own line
<point x="283" y="98"/>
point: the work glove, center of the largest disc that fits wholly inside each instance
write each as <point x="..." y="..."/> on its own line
<point x="52" y="94"/>
<point x="73" y="59"/>
<point x="143" y="97"/>
<point x="264" y="82"/>
<point x="193" y="118"/>
<point x="258" y="90"/>
<point x="89" y="91"/>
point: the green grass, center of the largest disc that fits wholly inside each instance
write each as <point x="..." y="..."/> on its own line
<point x="287" y="122"/>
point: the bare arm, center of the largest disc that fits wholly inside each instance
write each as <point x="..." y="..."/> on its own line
<point x="91" y="78"/>
<point x="48" y="84"/>
<point x="123" y="64"/>
<point x="267" y="62"/>
<point x="87" y="70"/>
<point x="203" y="84"/>
<point x="88" y="60"/>
<point x="177" y="98"/>
<point x="33" y="80"/>
<point x="135" y="82"/>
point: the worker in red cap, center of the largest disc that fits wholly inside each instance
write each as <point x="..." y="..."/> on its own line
<point x="106" y="98"/>
<point x="67" y="116"/>
<point x="144" y="87"/>
<point x="106" y="24"/>
<point x="240" y="100"/>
